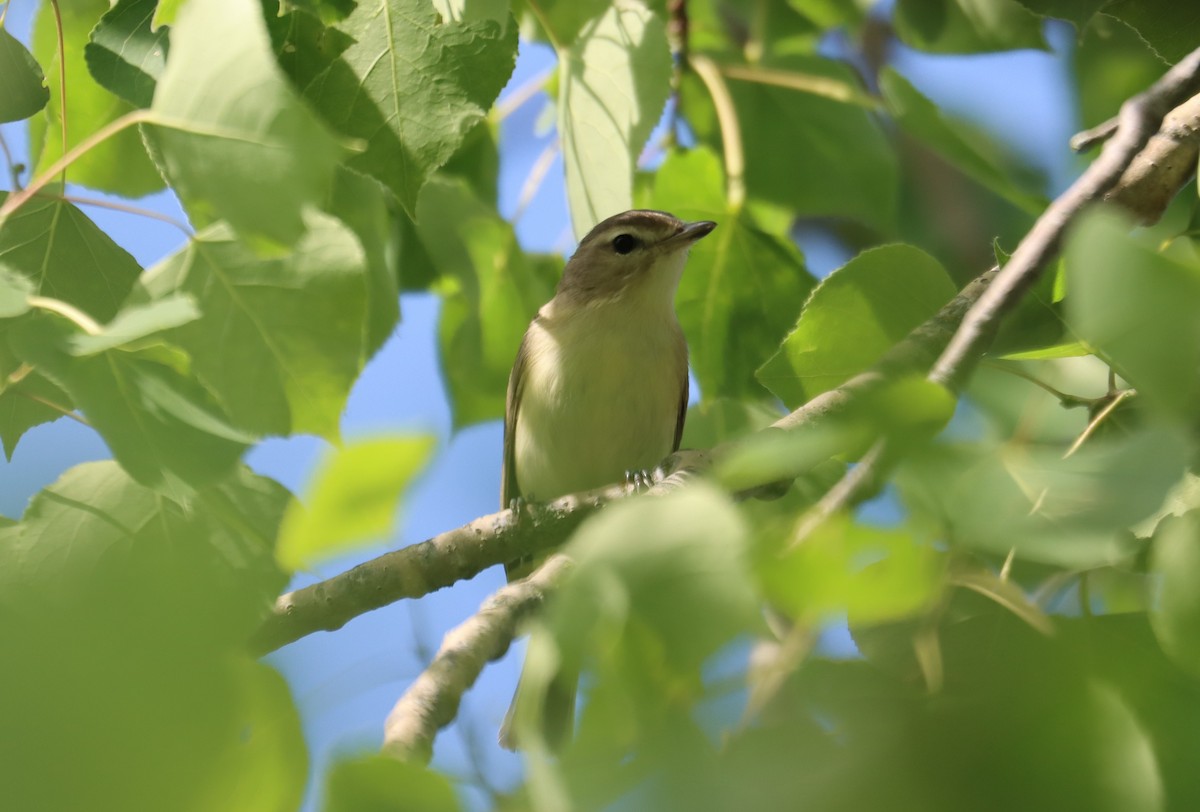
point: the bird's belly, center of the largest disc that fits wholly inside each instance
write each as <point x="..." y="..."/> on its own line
<point x="586" y="420"/>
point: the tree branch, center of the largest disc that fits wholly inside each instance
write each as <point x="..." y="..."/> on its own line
<point x="1139" y="119"/>
<point x="431" y="702"/>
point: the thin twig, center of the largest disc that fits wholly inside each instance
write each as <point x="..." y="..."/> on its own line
<point x="62" y="83"/>
<point x="125" y="207"/>
<point x="1095" y="422"/>
<point x="15" y="201"/>
<point x="1089" y="138"/>
<point x="804" y="83"/>
<point x="731" y="131"/>
<point x="432" y="701"/>
<point x="1139" y="119"/>
<point x="1068" y="401"/>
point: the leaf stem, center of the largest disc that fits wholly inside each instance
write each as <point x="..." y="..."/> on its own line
<point x="62" y="82"/>
<point x="73" y="314"/>
<point x="1067" y="401"/>
<point x="15" y="201"/>
<point x="124" y="207"/>
<point x="1100" y="417"/>
<point x="58" y="407"/>
<point x="731" y="133"/>
<point x="803" y="82"/>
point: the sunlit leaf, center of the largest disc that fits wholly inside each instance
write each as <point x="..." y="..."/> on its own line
<point x="93" y="562"/>
<point x="855" y="315"/>
<point x="281" y="338"/>
<point x="411" y="87"/>
<point x="374" y="783"/>
<point x="230" y="133"/>
<point x="613" y="82"/>
<point x="1074" y="512"/>
<point x="117" y="164"/>
<point x="1175" y="563"/>
<point x="867" y="574"/>
<point x="1139" y="309"/>
<point x="352" y="498"/>
<point x="124" y="55"/>
<point x="23" y="88"/>
<point x="161" y="425"/>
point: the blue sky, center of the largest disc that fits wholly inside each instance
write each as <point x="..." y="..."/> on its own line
<point x="346" y="682"/>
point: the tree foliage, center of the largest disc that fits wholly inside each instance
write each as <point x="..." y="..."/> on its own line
<point x="1025" y="620"/>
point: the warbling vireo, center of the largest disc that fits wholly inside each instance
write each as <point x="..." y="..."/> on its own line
<point x="600" y="385"/>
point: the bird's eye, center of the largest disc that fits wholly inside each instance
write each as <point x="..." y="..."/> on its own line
<point x="624" y="243"/>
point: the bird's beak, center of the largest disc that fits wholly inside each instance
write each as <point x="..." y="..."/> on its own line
<point x="695" y="231"/>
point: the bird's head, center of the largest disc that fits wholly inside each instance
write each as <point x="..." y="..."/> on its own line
<point x="636" y="253"/>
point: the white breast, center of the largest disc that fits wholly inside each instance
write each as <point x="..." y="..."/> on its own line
<point x="600" y="397"/>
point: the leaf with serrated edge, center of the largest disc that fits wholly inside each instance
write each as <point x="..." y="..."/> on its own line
<point x="117" y="164"/>
<point x="66" y="256"/>
<point x="352" y="498"/>
<point x="855" y="315"/>
<point x="281" y="338"/>
<point x="613" y="82"/>
<point x="229" y="131"/>
<point x="411" y="87"/>
<point x="124" y="54"/>
<point x="23" y="88"/>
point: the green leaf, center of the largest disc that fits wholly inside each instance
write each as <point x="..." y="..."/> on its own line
<point x="166" y="12"/>
<point x="362" y="203"/>
<point x="377" y="783"/>
<point x="855" y="315"/>
<point x="848" y="167"/>
<point x="15" y="290"/>
<point x="93" y="565"/>
<point x="352" y="498"/>
<point x="741" y="287"/>
<point x="97" y="531"/>
<point x="23" y="88"/>
<point x="866" y="574"/>
<point x="1170" y="28"/>
<point x="411" y="87"/>
<point x="921" y="119"/>
<point x="614" y="79"/>
<point x="1138" y="308"/>
<point x="66" y="256"/>
<point x="658" y="586"/>
<point x="124" y="55"/>
<point x="117" y="164"/>
<point x="160" y="424"/>
<point x="281" y="338"/>
<point x="23" y="405"/>
<point x="968" y="26"/>
<point x="1175" y="564"/>
<point x="228" y="130"/>
<point x="561" y="20"/>
<point x="1074" y="512"/>
<point x="490" y="291"/>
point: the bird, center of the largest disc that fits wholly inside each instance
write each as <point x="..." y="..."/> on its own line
<point x="599" y="388"/>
